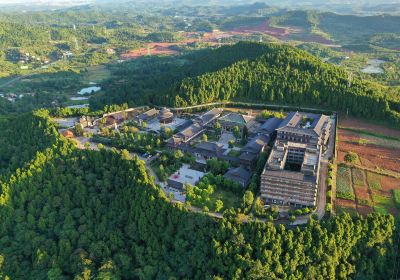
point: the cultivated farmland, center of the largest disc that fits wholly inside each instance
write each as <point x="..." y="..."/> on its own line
<point x="372" y="183"/>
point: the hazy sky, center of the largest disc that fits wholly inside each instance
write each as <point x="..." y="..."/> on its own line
<point x="370" y="2"/>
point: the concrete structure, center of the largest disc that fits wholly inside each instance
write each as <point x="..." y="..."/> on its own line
<point x="184" y="176"/>
<point x="291" y="174"/>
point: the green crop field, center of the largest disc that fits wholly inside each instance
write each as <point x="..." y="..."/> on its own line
<point x="343" y="183"/>
<point x="382" y="204"/>
<point x="374" y="181"/>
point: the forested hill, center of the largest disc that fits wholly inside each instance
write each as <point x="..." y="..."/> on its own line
<point x="277" y="74"/>
<point x="22" y="137"/>
<point x="73" y="214"/>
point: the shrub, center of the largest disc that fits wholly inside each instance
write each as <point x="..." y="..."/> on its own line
<point x="351" y="157"/>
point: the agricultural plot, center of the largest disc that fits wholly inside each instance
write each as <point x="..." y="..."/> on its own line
<point x="358" y="177"/>
<point x="375" y="178"/>
<point x="383" y="204"/>
<point x="375" y="153"/>
<point x="374" y="181"/>
<point x="344" y="185"/>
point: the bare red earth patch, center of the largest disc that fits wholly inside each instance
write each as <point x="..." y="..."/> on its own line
<point x="358" y="124"/>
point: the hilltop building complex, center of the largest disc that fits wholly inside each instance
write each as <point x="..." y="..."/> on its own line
<point x="291" y="174"/>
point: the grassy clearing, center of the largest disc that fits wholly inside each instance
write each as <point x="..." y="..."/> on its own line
<point x="343" y="183"/>
<point x="374" y="181"/>
<point x="358" y="176"/>
<point x="96" y="74"/>
<point x="228" y="198"/>
<point x="343" y="209"/>
<point x="365" y="202"/>
<point x="382" y="204"/>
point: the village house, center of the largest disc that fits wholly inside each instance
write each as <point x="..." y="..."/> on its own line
<point x="239" y="175"/>
<point x="231" y="120"/>
<point x="147" y="116"/>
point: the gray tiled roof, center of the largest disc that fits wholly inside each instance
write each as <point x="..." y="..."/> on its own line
<point x="209" y="116"/>
<point x="209" y="146"/>
<point x="239" y="174"/>
<point x="236" y="118"/>
<point x="256" y="144"/>
<point x="271" y="124"/>
<point x="294" y="119"/>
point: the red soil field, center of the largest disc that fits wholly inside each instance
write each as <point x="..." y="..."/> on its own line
<point x="362" y="193"/>
<point x="358" y="124"/>
<point x="382" y="157"/>
<point x="390" y="183"/>
<point x="263" y="28"/>
<point x="160" y="48"/>
<point x="152" y="49"/>
<point x="346" y="203"/>
<point x="364" y="209"/>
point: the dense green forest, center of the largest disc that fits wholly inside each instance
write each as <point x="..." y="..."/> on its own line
<point x="19" y="145"/>
<point x="80" y="214"/>
<point x="265" y="73"/>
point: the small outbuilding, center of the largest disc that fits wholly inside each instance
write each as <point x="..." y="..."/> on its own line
<point x="184" y="176"/>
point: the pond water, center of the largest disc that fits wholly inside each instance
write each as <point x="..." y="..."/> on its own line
<point x="89" y="90"/>
<point x="79" y="106"/>
<point x="373" y="67"/>
<point x="79" y="98"/>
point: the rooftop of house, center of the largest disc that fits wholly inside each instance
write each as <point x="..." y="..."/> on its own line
<point x="280" y="151"/>
<point x="165" y="113"/>
<point x="148" y="114"/>
<point x="290" y="175"/>
<point x="271" y="125"/>
<point x="185" y="175"/>
<point x="237" y="118"/>
<point x="238" y="174"/>
<point x="305" y="122"/>
<point x="209" y="146"/>
<point x="256" y="144"/>
<point x="191" y="131"/>
<point x="209" y="116"/>
<point x="248" y="156"/>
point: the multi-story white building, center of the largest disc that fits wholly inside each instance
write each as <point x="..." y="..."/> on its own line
<point x="291" y="174"/>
